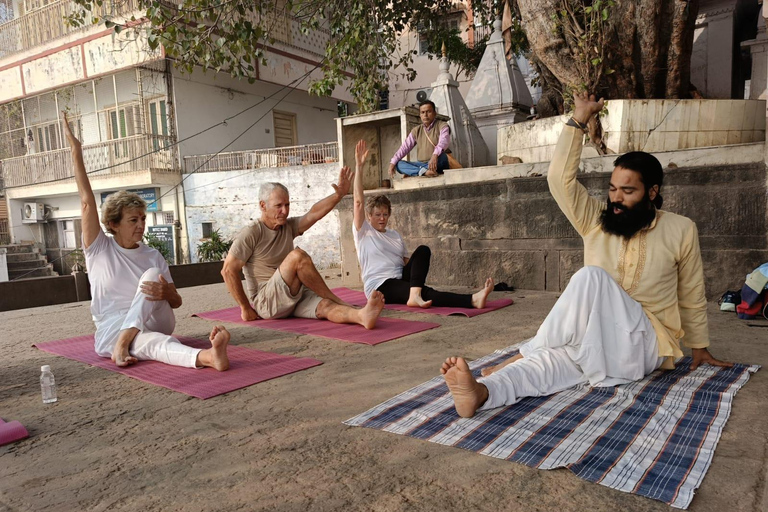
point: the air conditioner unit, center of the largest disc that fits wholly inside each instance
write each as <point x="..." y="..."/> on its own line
<point x="33" y="212"/>
<point x="422" y="95"/>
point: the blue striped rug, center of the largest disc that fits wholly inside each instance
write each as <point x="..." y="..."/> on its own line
<point x="655" y="437"/>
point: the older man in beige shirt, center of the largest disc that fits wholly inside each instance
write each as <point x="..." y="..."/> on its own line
<point x="624" y="314"/>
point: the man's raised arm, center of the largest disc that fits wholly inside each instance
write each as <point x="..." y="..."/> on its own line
<point x="581" y="210"/>
<point x="321" y="208"/>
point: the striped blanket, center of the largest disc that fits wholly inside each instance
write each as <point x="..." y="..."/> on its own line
<point x="655" y="437"/>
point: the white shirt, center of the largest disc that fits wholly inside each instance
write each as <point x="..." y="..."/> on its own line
<point x="380" y="255"/>
<point x="114" y="273"/>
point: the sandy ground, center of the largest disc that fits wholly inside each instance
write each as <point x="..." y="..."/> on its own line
<point x="114" y="443"/>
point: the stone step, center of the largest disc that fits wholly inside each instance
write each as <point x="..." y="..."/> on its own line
<point x="16" y="257"/>
<point x="19" y="248"/>
<point x="28" y="264"/>
<point x="46" y="271"/>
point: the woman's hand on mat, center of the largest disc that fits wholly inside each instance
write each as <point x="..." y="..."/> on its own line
<point x="361" y="153"/>
<point x="345" y="181"/>
<point x="158" y="290"/>
<point x="702" y="356"/>
<point x="248" y="314"/>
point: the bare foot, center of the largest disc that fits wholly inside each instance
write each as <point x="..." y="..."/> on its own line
<point x="219" y="340"/>
<point x="431" y="174"/>
<point x="372" y="310"/>
<point x="480" y="297"/>
<point x="468" y="394"/>
<point x="491" y="369"/>
<point x="415" y="301"/>
<point x="121" y="353"/>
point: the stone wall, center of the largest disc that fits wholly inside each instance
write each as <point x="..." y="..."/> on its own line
<point x="513" y="231"/>
<point x="646" y="125"/>
<point x="230" y="201"/>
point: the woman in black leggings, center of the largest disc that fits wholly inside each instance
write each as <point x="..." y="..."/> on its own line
<point x="411" y="290"/>
<point x="384" y="263"/>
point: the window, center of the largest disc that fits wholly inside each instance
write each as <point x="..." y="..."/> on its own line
<point x="285" y="129"/>
<point x="47" y="137"/>
<point x="122" y="121"/>
<point x="207" y="229"/>
<point x="164" y="218"/>
<point x="67" y="237"/>
<point x="158" y="120"/>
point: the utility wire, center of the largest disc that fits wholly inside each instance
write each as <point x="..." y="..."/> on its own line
<point x="291" y="88"/>
<point x="171" y="144"/>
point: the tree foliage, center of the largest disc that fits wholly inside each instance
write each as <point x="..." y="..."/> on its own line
<point x="232" y="35"/>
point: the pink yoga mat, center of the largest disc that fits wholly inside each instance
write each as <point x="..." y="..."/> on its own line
<point x="358" y="299"/>
<point x="11" y="431"/>
<point x="246" y="367"/>
<point x="386" y="328"/>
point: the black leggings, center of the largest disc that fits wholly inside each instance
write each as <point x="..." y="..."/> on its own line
<point x="397" y="291"/>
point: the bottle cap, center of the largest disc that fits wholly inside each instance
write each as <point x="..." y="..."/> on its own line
<point x="45" y="368"/>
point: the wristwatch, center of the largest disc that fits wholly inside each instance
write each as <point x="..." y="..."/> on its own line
<point x="581" y="126"/>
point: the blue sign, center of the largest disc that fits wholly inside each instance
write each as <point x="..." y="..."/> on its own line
<point x="147" y="194"/>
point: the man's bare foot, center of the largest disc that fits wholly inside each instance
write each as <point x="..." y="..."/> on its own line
<point x="415" y="301"/>
<point x="121" y="354"/>
<point x="480" y="297"/>
<point x="216" y="356"/>
<point x="371" y="310"/>
<point x="468" y="394"/>
<point x="430" y="174"/>
<point x="492" y="369"/>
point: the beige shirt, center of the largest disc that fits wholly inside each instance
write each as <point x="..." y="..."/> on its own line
<point x="660" y="266"/>
<point x="263" y="250"/>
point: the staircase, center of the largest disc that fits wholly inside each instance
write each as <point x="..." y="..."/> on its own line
<point x="25" y="260"/>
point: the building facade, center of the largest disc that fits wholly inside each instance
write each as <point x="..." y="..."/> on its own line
<point x="136" y="115"/>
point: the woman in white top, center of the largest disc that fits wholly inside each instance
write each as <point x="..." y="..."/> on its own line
<point x="384" y="261"/>
<point x="132" y="293"/>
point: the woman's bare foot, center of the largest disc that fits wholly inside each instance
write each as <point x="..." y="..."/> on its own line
<point x="121" y="354"/>
<point x="468" y="394"/>
<point x="216" y="356"/>
<point x="371" y="310"/>
<point x="492" y="369"/>
<point x="480" y="297"/>
<point x="415" y="300"/>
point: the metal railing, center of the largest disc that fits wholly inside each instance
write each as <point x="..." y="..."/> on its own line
<point x="119" y="156"/>
<point x="48" y="23"/>
<point x="263" y="158"/>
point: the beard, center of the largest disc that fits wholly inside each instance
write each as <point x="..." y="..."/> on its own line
<point x="630" y="220"/>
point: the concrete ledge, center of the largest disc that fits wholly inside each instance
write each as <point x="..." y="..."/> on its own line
<point x="700" y="157"/>
<point x="32" y="293"/>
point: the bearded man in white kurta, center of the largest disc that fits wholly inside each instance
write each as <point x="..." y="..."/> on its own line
<point x="625" y="313"/>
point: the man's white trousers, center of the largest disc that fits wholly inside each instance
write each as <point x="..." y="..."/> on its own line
<point x="155" y="322"/>
<point x="595" y="334"/>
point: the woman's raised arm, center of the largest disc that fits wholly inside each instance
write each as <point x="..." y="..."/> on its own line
<point x="88" y="209"/>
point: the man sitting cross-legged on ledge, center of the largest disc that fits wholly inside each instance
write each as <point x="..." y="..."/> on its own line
<point x="283" y="281"/>
<point x="624" y="314"/>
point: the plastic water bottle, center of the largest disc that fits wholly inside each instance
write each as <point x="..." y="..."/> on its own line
<point x="47" y="385"/>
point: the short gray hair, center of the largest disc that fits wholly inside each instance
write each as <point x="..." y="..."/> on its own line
<point x="266" y="190"/>
<point x="115" y="204"/>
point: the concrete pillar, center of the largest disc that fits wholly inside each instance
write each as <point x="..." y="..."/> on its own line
<point x="82" y="286"/>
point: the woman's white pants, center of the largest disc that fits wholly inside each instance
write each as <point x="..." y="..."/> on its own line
<point x="596" y="333"/>
<point x="155" y="322"/>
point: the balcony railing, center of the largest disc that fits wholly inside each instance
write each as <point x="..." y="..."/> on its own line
<point x="48" y="23"/>
<point x="263" y="158"/>
<point x="119" y="156"/>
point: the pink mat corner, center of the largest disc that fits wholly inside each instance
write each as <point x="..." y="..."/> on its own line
<point x="246" y="367"/>
<point x="357" y="298"/>
<point x="11" y="431"/>
<point x="386" y="329"/>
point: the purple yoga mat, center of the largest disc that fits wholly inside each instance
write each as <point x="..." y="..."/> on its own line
<point x="358" y="299"/>
<point x="246" y="367"/>
<point x="386" y="328"/>
<point x="11" y="431"/>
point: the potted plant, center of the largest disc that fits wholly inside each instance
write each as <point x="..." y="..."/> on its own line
<point x="214" y="248"/>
